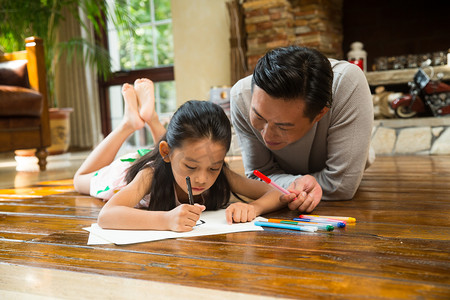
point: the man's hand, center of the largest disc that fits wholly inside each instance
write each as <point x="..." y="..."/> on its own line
<point x="305" y="195"/>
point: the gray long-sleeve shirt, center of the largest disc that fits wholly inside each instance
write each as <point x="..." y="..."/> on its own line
<point x="335" y="151"/>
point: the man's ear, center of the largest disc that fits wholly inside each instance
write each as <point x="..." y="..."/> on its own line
<point x="164" y="150"/>
<point x="321" y="114"/>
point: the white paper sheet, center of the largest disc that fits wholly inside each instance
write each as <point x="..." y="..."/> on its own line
<point x="94" y="239"/>
<point x="215" y="223"/>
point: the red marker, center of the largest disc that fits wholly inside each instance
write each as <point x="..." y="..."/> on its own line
<point x="269" y="181"/>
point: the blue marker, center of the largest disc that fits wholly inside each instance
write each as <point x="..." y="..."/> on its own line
<point x="286" y="226"/>
<point x="335" y="224"/>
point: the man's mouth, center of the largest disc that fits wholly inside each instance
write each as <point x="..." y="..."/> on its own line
<point x="272" y="144"/>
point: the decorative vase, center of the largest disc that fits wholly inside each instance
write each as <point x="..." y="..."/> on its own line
<point x="60" y="130"/>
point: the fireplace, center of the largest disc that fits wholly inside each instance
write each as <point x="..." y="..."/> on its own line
<point x="386" y="28"/>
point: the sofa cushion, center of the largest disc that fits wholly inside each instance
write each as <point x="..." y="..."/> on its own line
<point x="19" y="101"/>
<point x="19" y="124"/>
<point x="14" y="73"/>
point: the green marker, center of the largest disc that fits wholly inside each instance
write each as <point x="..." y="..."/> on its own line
<point x="319" y="226"/>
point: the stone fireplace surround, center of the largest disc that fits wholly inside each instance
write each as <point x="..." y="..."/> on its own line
<point x="421" y="136"/>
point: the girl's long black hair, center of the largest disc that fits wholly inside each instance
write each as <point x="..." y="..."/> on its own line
<point x="193" y="120"/>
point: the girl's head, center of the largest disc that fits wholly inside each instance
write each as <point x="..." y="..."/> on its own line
<point x="198" y="120"/>
<point x="195" y="144"/>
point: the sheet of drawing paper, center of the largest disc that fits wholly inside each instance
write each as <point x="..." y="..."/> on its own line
<point x="94" y="239"/>
<point x="214" y="223"/>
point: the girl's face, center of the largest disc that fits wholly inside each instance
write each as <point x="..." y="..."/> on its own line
<point x="201" y="160"/>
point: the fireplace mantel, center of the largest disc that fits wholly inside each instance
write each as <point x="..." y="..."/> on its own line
<point x="402" y="76"/>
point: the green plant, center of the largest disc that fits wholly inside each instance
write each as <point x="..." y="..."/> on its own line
<point x="42" y="18"/>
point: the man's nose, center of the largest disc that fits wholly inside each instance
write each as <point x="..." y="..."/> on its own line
<point x="268" y="131"/>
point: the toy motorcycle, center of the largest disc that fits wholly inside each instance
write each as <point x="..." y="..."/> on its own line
<point x="426" y="97"/>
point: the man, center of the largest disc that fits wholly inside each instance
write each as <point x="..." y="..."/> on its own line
<point x="305" y="121"/>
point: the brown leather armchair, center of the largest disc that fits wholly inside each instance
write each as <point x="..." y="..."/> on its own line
<point x="24" y="119"/>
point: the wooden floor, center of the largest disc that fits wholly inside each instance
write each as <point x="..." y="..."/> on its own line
<point x="398" y="249"/>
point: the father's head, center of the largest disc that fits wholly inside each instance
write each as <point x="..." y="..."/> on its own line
<point x="291" y="92"/>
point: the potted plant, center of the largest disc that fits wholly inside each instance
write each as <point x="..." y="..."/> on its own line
<point x="43" y="18"/>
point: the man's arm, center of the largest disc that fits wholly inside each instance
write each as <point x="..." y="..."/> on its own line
<point x="349" y="135"/>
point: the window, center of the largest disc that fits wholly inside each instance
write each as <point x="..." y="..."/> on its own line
<point x="152" y="45"/>
<point x="149" y="53"/>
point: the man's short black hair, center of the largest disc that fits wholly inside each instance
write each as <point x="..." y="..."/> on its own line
<point x="294" y="72"/>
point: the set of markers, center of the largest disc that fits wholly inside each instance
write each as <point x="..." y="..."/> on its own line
<point x="310" y="223"/>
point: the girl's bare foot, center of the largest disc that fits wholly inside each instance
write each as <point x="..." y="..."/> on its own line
<point x="131" y="113"/>
<point x="145" y="93"/>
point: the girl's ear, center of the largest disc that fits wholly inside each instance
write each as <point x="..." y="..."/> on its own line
<point x="164" y="151"/>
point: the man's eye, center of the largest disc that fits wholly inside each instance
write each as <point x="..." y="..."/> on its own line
<point x="282" y="129"/>
<point x="257" y="116"/>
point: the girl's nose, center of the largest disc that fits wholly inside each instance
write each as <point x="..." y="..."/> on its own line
<point x="201" y="177"/>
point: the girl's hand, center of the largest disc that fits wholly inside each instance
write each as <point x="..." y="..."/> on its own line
<point x="240" y="213"/>
<point x="184" y="217"/>
<point x="306" y="194"/>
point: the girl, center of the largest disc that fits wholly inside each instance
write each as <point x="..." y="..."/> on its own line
<point x="195" y="144"/>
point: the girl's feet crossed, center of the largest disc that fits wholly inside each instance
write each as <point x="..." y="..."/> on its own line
<point x="146" y="98"/>
<point x="131" y="112"/>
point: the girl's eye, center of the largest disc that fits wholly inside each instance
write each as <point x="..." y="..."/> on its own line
<point x="215" y="170"/>
<point x="190" y="168"/>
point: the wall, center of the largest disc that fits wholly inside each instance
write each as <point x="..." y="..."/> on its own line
<point x="202" y="50"/>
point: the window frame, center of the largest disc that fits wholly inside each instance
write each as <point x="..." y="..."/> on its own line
<point x="156" y="74"/>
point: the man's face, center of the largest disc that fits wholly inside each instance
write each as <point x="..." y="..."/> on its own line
<point x="279" y="122"/>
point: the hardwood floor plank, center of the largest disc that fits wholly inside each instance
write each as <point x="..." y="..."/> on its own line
<point x="47" y="210"/>
<point x="54" y="200"/>
<point x="42" y="224"/>
<point x="38" y="191"/>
